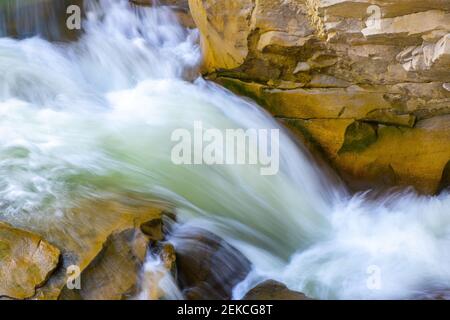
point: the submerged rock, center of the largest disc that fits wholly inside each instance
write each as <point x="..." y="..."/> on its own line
<point x="26" y="262"/>
<point x="273" y="290"/>
<point x="208" y="267"/>
<point x="153" y="229"/>
<point x="114" y="273"/>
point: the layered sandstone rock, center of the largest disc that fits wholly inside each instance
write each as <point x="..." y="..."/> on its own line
<point x="81" y="234"/>
<point x="329" y="66"/>
<point x="117" y="272"/>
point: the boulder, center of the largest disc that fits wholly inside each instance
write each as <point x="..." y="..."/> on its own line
<point x="226" y="23"/>
<point x="115" y="271"/>
<point x="153" y="229"/>
<point x="26" y="262"/>
<point x="159" y="276"/>
<point x="377" y="156"/>
<point x="273" y="290"/>
<point x="81" y="233"/>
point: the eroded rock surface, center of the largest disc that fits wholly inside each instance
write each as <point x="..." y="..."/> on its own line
<point x="26" y="262"/>
<point x="325" y="64"/>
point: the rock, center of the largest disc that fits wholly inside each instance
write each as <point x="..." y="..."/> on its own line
<point x="114" y="273"/>
<point x="411" y="24"/>
<point x="153" y="229"/>
<point x="427" y="57"/>
<point x="26" y="262"/>
<point x="380" y="62"/>
<point x="324" y="81"/>
<point x="168" y="256"/>
<point x="224" y="22"/>
<point x="80" y="233"/>
<point x="393" y="156"/>
<point x="208" y="267"/>
<point x="273" y="290"/>
<point x="312" y="103"/>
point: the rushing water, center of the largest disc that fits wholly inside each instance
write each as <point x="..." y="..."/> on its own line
<point x="93" y="119"/>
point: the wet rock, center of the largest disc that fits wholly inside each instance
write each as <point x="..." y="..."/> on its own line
<point x="153" y="229"/>
<point x="81" y="233"/>
<point x="158" y="280"/>
<point x="445" y="180"/>
<point x="394" y="156"/>
<point x="26" y="262"/>
<point x="168" y="256"/>
<point x="114" y="273"/>
<point x="390" y="117"/>
<point x="226" y="23"/>
<point x="208" y="267"/>
<point x="273" y="290"/>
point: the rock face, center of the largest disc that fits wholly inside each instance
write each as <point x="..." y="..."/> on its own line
<point x="273" y="290"/>
<point x="367" y="82"/>
<point x="26" y="262"/>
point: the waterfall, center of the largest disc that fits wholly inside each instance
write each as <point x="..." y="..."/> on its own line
<point x="93" y="119"/>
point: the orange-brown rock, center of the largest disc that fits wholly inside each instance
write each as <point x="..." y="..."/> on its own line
<point x="322" y="64"/>
<point x="81" y="233"/>
<point x="273" y="290"/>
<point x="115" y="271"/>
<point x="26" y="262"/>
